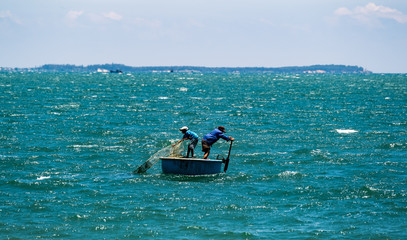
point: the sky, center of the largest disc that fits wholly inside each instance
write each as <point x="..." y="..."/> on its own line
<point x="212" y="33"/>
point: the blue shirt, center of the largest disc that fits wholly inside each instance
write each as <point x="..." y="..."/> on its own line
<point x="214" y="136"/>
<point x="190" y="135"/>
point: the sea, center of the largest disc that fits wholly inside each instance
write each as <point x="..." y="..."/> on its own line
<point x="315" y="156"/>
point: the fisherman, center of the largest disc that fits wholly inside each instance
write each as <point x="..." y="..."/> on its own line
<point x="188" y="134"/>
<point x="211" y="138"/>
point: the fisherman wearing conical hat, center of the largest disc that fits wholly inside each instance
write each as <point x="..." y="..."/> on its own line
<point x="188" y="134"/>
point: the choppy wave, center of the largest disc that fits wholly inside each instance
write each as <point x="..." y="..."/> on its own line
<point x="315" y="156"/>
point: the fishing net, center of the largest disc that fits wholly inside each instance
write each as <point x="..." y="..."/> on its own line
<point x="177" y="150"/>
<point x="168" y="151"/>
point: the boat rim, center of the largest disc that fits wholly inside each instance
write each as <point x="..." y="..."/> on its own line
<point x="190" y="159"/>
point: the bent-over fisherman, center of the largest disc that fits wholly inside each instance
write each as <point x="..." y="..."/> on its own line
<point x="211" y="138"/>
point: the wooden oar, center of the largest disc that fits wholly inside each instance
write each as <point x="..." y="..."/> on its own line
<point x="227" y="159"/>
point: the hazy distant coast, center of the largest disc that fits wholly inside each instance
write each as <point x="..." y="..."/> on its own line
<point x="123" y="68"/>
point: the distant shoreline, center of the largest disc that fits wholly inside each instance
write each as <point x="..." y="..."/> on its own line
<point x="121" y="68"/>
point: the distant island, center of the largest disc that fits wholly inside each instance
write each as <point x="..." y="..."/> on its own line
<point x="120" y="68"/>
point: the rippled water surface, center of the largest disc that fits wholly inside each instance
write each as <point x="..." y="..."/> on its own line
<point x="315" y="156"/>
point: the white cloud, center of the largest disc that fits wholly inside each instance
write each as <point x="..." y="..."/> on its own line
<point x="343" y="11"/>
<point x="7" y="15"/>
<point x="73" y="15"/>
<point x="113" y="16"/>
<point x="98" y="18"/>
<point x="372" y="13"/>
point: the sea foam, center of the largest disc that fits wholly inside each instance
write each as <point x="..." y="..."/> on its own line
<point x="346" y="131"/>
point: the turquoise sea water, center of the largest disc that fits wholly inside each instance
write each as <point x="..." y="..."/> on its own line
<point x="315" y="156"/>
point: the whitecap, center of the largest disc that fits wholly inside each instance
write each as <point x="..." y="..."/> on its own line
<point x="183" y="89"/>
<point x="43" y="177"/>
<point x="346" y="131"/>
<point x="290" y="174"/>
<point x="84" y="146"/>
